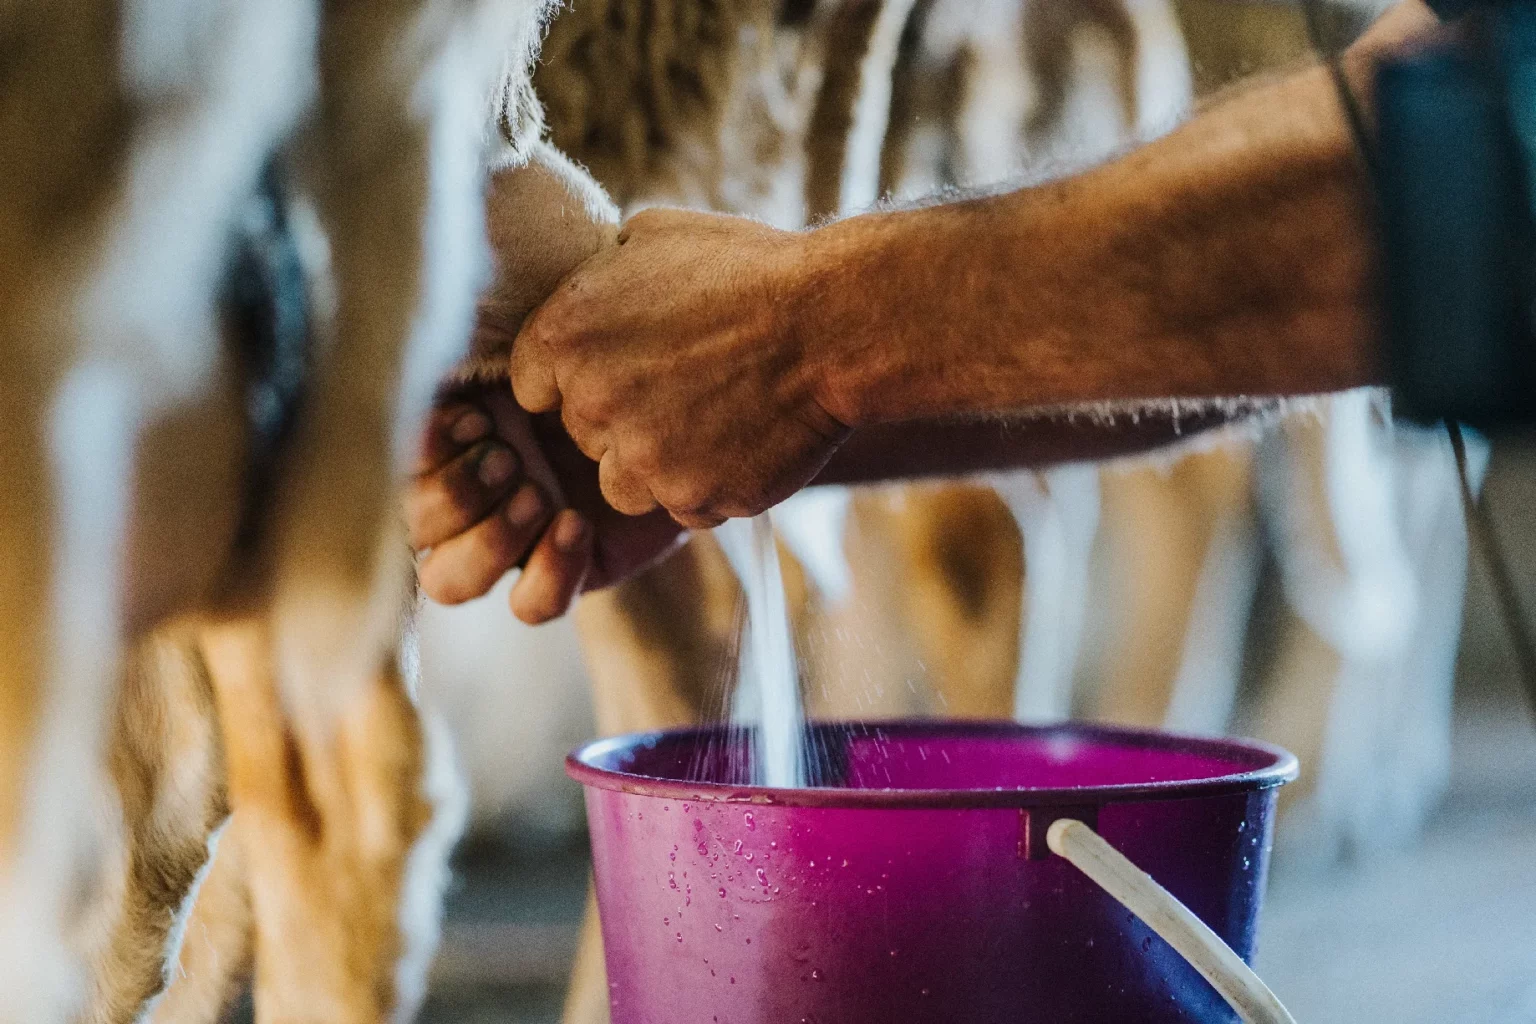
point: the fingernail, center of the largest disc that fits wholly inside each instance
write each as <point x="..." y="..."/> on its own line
<point x="496" y="466"/>
<point x="470" y="427"/>
<point x="570" y="532"/>
<point x="525" y="507"/>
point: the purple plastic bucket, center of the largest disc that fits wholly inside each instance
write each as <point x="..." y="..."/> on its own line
<point x="916" y="886"/>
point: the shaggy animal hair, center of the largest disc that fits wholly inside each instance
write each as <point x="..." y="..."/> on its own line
<point x="213" y="763"/>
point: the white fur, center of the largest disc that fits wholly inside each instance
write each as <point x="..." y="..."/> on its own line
<point x="426" y="877"/>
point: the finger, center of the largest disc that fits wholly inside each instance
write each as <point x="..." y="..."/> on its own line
<point x="468" y="565"/>
<point x="450" y="429"/>
<point x="533" y="367"/>
<point x="554" y="571"/>
<point x="621" y="489"/>
<point x="447" y="502"/>
<point x="697" y="520"/>
<point x="588" y="438"/>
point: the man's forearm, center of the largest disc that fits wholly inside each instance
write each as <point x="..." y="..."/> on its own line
<point x="1233" y="257"/>
<point x="915" y="449"/>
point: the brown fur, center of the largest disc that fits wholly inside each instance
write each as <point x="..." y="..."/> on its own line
<point x="636" y="89"/>
<point x="280" y="676"/>
<point x="165" y="759"/>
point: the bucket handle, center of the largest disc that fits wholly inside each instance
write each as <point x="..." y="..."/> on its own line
<point x="1162" y="912"/>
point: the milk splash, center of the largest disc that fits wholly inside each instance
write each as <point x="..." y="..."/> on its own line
<point x="768" y="686"/>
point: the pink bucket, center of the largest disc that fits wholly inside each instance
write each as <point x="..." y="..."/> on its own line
<point x="915" y="884"/>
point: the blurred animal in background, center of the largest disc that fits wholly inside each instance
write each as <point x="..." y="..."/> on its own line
<point x="214" y="764"/>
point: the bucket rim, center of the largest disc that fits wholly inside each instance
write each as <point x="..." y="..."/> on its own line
<point x="1273" y="766"/>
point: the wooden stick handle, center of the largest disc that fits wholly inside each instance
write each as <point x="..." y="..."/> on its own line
<point x="1159" y="910"/>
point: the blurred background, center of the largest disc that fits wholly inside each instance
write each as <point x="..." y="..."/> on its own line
<point x="1306" y="579"/>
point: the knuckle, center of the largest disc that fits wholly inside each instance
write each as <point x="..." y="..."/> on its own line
<point x="693" y="495"/>
<point x="503" y="547"/>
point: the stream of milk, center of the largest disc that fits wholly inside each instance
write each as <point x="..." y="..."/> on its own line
<point x="768" y="683"/>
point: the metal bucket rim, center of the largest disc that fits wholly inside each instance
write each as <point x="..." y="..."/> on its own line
<point x="1273" y="766"/>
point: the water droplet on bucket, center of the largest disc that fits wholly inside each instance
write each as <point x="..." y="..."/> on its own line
<point x="679" y="936"/>
<point x="762" y="877"/>
<point x="1146" y="944"/>
<point x="748" y="855"/>
<point x="722" y="892"/>
<point x="816" y="974"/>
<point x="924" y="992"/>
<point x="719" y="929"/>
<point x="738" y="847"/>
<point x="751" y="821"/>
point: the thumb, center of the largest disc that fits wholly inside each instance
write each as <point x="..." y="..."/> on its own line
<point x="533" y="365"/>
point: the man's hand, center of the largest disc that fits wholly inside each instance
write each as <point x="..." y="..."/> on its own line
<point x="495" y="489"/>
<point x="675" y="363"/>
